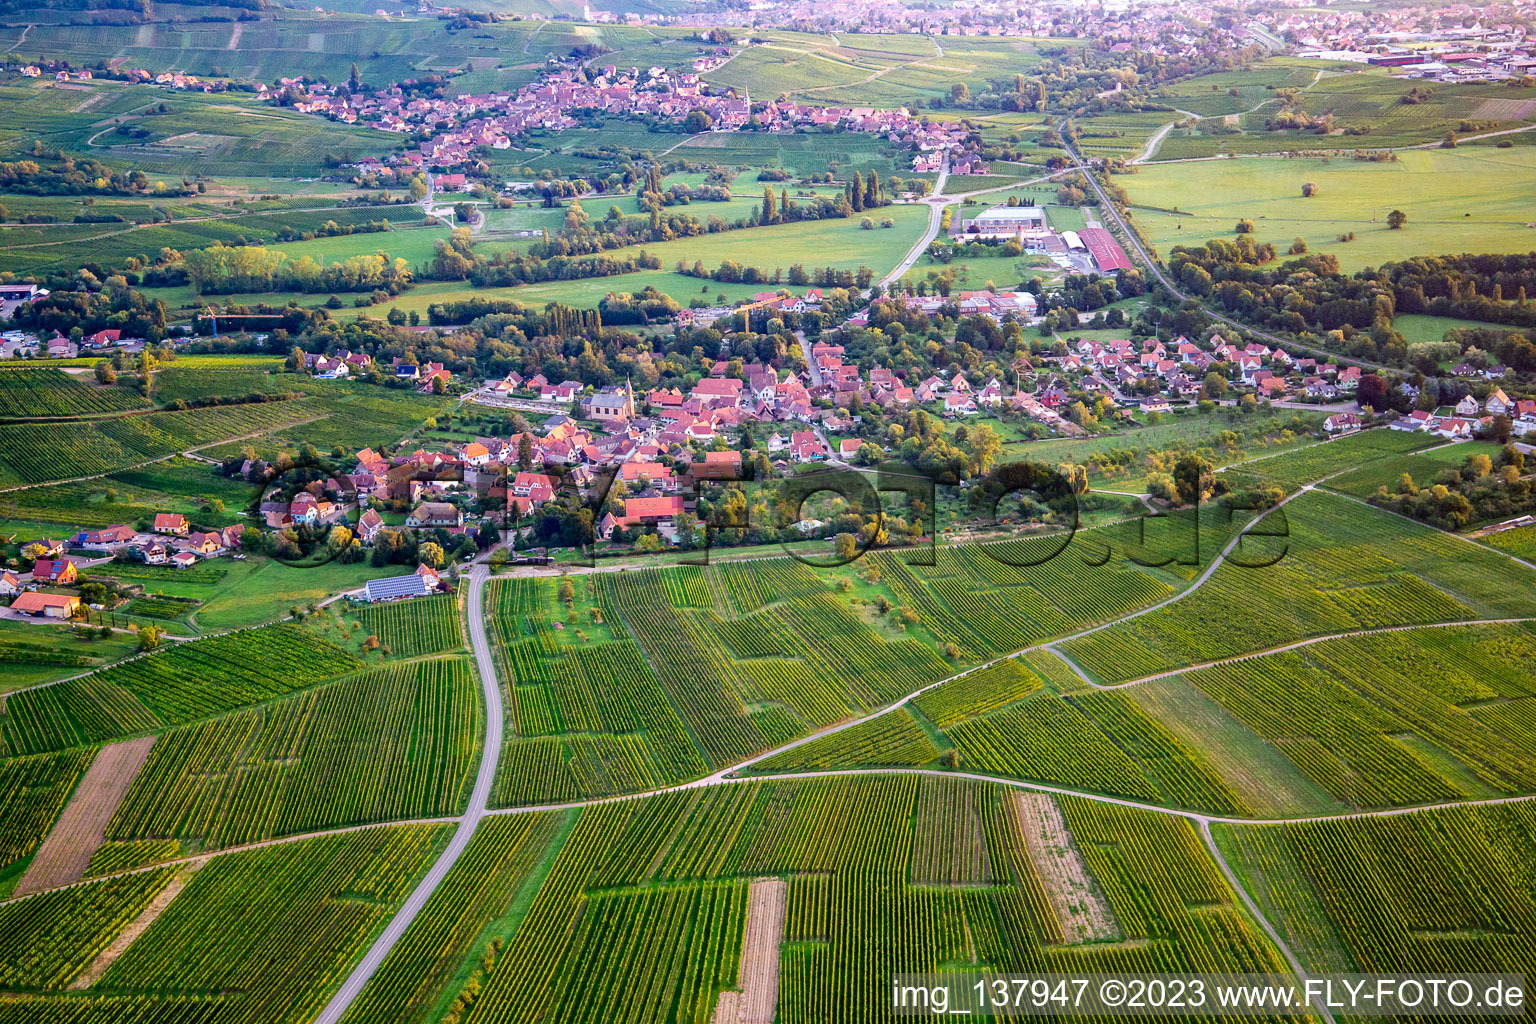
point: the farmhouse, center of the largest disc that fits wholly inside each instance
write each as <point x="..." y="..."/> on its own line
<point x="50" y="606"/>
<point x="435" y="513"/>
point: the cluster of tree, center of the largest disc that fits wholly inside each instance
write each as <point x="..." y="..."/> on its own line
<point x="554" y="320"/>
<point x="732" y="272"/>
<point x="86" y="307"/>
<point x="1484" y="347"/>
<point x="946" y="252"/>
<point x="1355" y="312"/>
<point x="1300" y="295"/>
<point x="226" y="270"/>
<point x="1490" y="287"/>
<point x="54" y="174"/>
<point x="1481" y="488"/>
<point x="330" y="229"/>
<point x="643" y="307"/>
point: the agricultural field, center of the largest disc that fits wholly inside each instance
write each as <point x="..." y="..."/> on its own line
<point x="33" y="453"/>
<point x="32" y="654"/>
<point x="1398" y="718"/>
<point x="33" y="789"/>
<point x="1367" y="109"/>
<point x="1345" y="567"/>
<point x="1424" y="466"/>
<point x="1521" y="542"/>
<point x="38" y="393"/>
<point x="1363" y="894"/>
<point x="1324" y="462"/>
<point x="414" y="628"/>
<point x="387" y="745"/>
<point x="169" y="687"/>
<point x="287" y="918"/>
<point x="1188" y="203"/>
<point x="863" y="859"/>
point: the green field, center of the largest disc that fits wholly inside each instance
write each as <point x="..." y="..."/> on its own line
<point x="1367" y="909"/>
<point x="1366" y="107"/>
<point x="1345" y="567"/>
<point x="1430" y="186"/>
<point x="1419" y="329"/>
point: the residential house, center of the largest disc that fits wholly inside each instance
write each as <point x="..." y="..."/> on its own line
<point x="204" y="543"/>
<point x="173" y="523"/>
<point x="59" y="571"/>
<point x="368" y="526"/>
<point x="805" y="446"/>
<point x="1499" y="404"/>
<point x="1341" y="423"/>
<point x="105" y="539"/>
<point x="959" y="405"/>
<point x="718" y="466"/>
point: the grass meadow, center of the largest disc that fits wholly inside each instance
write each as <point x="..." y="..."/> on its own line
<point x="1430" y="186"/>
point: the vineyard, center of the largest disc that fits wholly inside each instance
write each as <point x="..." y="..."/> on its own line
<point x="979" y="692"/>
<point x="1314" y="462"/>
<point x="1360" y="716"/>
<point x="33" y="453"/>
<point x="584" y="721"/>
<point x="1521" y="543"/>
<point x="32" y="793"/>
<point x="885" y="875"/>
<point x="387" y="745"/>
<point x="1342" y="566"/>
<point x="893" y="739"/>
<point x="254" y="937"/>
<point x="49" y="938"/>
<point x="166" y="688"/>
<point x="44" y="391"/>
<point x="1445" y="890"/>
<point x="409" y="629"/>
<point x="502" y="858"/>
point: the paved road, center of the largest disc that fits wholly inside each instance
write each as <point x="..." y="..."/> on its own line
<point x="935" y="200"/>
<point x="489" y="753"/>
<point x="805" y="350"/>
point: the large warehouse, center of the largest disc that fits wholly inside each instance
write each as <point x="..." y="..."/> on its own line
<point x="1007" y="220"/>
